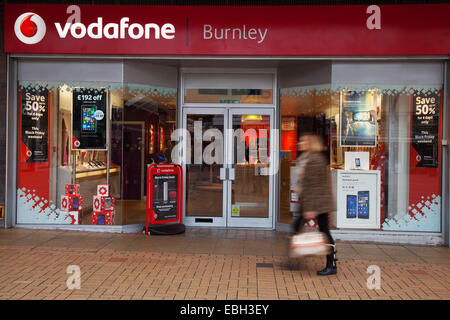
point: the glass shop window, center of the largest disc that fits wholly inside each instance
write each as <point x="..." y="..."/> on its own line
<point x="68" y="131"/>
<point x="394" y="130"/>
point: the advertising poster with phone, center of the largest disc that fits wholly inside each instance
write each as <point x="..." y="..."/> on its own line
<point x="358" y="114"/>
<point x="358" y="198"/>
<point x="89" y="121"/>
<point x="425" y="129"/>
<point x="34" y="124"/>
<point x="165" y="200"/>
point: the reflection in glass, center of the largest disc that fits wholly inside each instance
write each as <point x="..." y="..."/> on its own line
<point x="305" y="113"/>
<point x="143" y="123"/>
<point x="204" y="189"/>
<point x="250" y="189"/>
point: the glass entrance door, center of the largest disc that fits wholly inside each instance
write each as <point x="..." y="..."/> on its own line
<point x="250" y="179"/>
<point x="203" y="151"/>
<point x="227" y="164"/>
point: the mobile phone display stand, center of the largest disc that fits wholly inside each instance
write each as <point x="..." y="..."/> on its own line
<point x="103" y="206"/>
<point x="72" y="203"/>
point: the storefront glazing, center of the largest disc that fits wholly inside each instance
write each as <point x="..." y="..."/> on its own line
<point x="388" y="112"/>
<point x="141" y="121"/>
<point x="327" y="98"/>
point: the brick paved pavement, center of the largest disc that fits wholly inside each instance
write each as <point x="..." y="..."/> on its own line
<point x="209" y="264"/>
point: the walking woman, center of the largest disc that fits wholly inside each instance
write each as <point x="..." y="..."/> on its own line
<point x="314" y="192"/>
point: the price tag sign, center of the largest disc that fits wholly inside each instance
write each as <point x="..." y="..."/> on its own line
<point x="34" y="124"/>
<point x="425" y="129"/>
<point x="89" y="121"/>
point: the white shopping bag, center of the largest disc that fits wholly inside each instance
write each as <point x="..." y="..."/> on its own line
<point x="309" y="244"/>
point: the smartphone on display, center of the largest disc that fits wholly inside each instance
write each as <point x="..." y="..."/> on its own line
<point x="357" y="163"/>
<point x="363" y="204"/>
<point x="75" y="203"/>
<point x="166" y="191"/>
<point x="351" y="206"/>
<point x="101" y="219"/>
<point x="88" y="121"/>
<point x="158" y="191"/>
<point x="107" y="203"/>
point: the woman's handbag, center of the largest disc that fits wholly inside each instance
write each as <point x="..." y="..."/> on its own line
<point x="312" y="243"/>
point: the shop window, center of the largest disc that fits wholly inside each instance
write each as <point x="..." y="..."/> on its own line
<point x="398" y="128"/>
<point x="142" y="129"/>
<point x="48" y="155"/>
<point x="303" y="110"/>
<point x="141" y="119"/>
<point x="390" y="129"/>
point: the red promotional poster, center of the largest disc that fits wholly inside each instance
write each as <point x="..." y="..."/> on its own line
<point x="425" y="161"/>
<point x="34" y="133"/>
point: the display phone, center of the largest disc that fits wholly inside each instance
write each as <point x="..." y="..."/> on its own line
<point x="75" y="203"/>
<point x="363" y="204"/>
<point x="158" y="191"/>
<point x="107" y="203"/>
<point x="155" y="193"/>
<point x="101" y="219"/>
<point x="88" y="121"/>
<point x="351" y="206"/>
<point x="357" y="163"/>
<point x="166" y="191"/>
<point x="70" y="189"/>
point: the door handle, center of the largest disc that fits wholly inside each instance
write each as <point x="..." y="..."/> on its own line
<point x="223" y="174"/>
<point x="231" y="175"/>
<point x="227" y="174"/>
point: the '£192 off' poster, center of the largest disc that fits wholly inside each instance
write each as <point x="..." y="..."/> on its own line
<point x="35" y="124"/>
<point x="89" y="121"/>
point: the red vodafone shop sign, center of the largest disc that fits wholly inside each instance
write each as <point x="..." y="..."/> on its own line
<point x="225" y="30"/>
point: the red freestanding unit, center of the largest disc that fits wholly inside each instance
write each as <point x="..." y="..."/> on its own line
<point x="164" y="199"/>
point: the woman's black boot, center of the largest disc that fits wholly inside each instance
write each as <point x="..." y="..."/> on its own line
<point x="331" y="267"/>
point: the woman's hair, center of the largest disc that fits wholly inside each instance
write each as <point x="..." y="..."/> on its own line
<point x="315" y="143"/>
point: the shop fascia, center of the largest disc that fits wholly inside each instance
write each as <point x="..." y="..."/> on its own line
<point x="120" y="30"/>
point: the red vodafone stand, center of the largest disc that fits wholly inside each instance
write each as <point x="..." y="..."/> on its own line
<point x="72" y="203"/>
<point x="103" y="205"/>
<point x="164" y="199"/>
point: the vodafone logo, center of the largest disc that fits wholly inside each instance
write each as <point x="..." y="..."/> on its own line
<point x="111" y="30"/>
<point x="30" y="28"/>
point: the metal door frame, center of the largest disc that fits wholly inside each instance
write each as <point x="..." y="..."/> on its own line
<point x="226" y="220"/>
